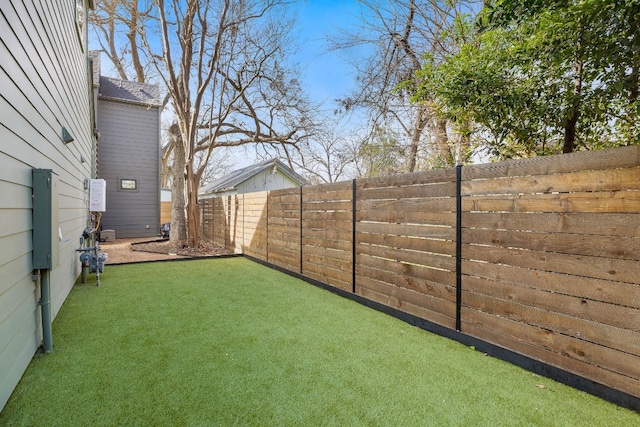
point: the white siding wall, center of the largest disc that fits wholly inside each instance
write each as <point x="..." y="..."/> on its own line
<point x="266" y="181"/>
<point x="43" y="87"/>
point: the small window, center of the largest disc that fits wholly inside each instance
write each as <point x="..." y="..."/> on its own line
<point x="128" y="184"/>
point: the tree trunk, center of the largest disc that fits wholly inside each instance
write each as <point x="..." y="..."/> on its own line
<point x="193" y="211"/>
<point x="571" y="122"/>
<point x="445" y="156"/>
<point x="420" y="123"/>
<point x="413" y="151"/>
<point x="132" y="36"/>
<point x="178" y="218"/>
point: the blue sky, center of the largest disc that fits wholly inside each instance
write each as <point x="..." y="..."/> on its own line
<point x="326" y="75"/>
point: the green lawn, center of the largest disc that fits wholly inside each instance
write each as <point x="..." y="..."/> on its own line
<point x="230" y="342"/>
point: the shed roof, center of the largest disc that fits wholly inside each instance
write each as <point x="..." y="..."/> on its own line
<point x="237" y="177"/>
<point x="128" y="91"/>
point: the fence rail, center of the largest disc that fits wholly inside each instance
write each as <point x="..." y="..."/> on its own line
<point x="547" y="264"/>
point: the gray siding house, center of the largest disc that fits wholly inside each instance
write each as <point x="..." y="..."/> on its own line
<point x="269" y="175"/>
<point x="45" y="123"/>
<point x="129" y="156"/>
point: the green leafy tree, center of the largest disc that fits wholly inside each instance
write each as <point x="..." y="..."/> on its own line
<point x="543" y="77"/>
<point x="381" y="155"/>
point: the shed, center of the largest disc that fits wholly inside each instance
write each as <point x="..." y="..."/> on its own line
<point x="269" y="175"/>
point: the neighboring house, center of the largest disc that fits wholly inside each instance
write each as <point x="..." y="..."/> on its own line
<point x="129" y="156"/>
<point x="270" y="175"/>
<point x="46" y="122"/>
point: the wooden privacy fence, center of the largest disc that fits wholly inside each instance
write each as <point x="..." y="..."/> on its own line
<point x="538" y="256"/>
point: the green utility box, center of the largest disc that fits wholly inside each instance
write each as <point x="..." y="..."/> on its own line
<point x="46" y="227"/>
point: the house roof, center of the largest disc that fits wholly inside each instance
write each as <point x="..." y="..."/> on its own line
<point x="128" y="91"/>
<point x="237" y="177"/>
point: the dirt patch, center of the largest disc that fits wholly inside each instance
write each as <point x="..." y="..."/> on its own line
<point x="205" y="248"/>
<point x="124" y="251"/>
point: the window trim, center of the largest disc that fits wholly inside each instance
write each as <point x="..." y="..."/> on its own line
<point x="121" y="182"/>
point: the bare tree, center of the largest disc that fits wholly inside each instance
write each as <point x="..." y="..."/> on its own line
<point x="223" y="64"/>
<point x="111" y="19"/>
<point x="326" y="158"/>
<point x="398" y="33"/>
<point x="225" y="70"/>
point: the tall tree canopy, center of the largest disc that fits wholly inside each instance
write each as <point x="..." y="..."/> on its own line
<point x="397" y="33"/>
<point x="543" y="77"/>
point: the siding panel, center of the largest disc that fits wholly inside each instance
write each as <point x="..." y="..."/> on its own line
<point x="45" y="86"/>
<point x="128" y="149"/>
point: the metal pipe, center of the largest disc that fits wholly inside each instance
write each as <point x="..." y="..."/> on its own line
<point x="45" y="307"/>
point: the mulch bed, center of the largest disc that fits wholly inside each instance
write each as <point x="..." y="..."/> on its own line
<point x="206" y="248"/>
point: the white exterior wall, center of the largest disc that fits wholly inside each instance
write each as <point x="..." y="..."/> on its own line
<point x="44" y="86"/>
<point x="266" y="181"/>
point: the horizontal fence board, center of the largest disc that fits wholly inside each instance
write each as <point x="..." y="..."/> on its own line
<point x="406" y="307"/>
<point x="326" y="274"/>
<point x="411" y="230"/>
<point x="403" y="296"/>
<point x="427" y="287"/>
<point x="605" y="335"/>
<point x="406" y="217"/>
<point x="610" y="269"/>
<point x="440" y="189"/>
<point x="285" y="223"/>
<point x="341" y="245"/>
<point x="605" y="202"/>
<point x="282" y="246"/>
<point x="289" y="195"/>
<point x="447" y="204"/>
<point x="286" y="200"/>
<point x="321" y="225"/>
<point x="326" y="206"/>
<point x="288" y="260"/>
<point x="326" y="237"/>
<point x="553" y="292"/>
<point x="326" y="234"/>
<point x="344" y="215"/>
<point x="500" y="332"/>
<point x="408" y="179"/>
<point x="284" y="211"/>
<point x="621" y="247"/>
<point x="444" y="262"/>
<point x="580" y="181"/>
<point x="623" y="157"/>
<point x="604" y="224"/>
<point x="255" y="200"/>
<point x="287" y="235"/>
<point x="338" y="257"/>
<point x="326" y="188"/>
<point x="439" y="246"/>
<point x="574" y="348"/>
<point x="409" y="271"/>
<point x="314" y="197"/>
<point x="593" y="289"/>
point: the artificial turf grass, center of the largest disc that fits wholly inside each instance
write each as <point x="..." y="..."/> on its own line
<point x="231" y="342"/>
